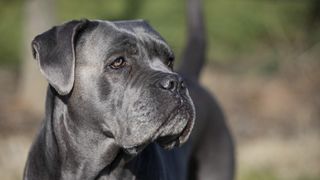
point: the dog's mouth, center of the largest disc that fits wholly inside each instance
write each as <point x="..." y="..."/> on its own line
<point x="172" y="140"/>
<point x="174" y="131"/>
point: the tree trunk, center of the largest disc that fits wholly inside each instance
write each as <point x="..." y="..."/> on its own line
<point x="39" y="15"/>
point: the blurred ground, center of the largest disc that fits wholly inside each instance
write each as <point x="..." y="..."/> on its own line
<point x="263" y="67"/>
<point x="275" y="123"/>
<point x="274" y="119"/>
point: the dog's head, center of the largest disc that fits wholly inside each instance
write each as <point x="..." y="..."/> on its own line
<point x="119" y="80"/>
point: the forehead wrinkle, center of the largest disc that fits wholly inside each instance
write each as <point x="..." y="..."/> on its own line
<point x="125" y="40"/>
<point x="116" y="30"/>
<point x="145" y="36"/>
<point x="153" y="38"/>
<point x="116" y="40"/>
<point x="138" y="32"/>
<point x="147" y="44"/>
<point x="122" y="30"/>
<point x="123" y="43"/>
<point x="155" y="44"/>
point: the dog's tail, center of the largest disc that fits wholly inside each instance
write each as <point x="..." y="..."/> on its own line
<point x="194" y="53"/>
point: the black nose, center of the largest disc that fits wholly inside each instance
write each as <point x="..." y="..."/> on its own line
<point x="173" y="83"/>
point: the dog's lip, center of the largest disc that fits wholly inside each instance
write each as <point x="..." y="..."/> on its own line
<point x="167" y="140"/>
<point x="135" y="149"/>
<point x="171" y="141"/>
<point x="184" y="135"/>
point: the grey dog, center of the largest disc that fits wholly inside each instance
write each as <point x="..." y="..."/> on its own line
<point x="115" y="109"/>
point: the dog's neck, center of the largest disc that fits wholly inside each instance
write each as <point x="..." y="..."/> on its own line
<point x="63" y="150"/>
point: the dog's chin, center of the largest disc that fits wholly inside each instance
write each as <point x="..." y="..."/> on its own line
<point x="171" y="141"/>
<point x="167" y="142"/>
<point x="174" y="140"/>
<point x="174" y="132"/>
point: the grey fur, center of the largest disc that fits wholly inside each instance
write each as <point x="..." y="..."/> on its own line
<point x="112" y="121"/>
<point x="115" y="124"/>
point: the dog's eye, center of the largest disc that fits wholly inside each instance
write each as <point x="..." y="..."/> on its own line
<point x="170" y="62"/>
<point x="119" y="62"/>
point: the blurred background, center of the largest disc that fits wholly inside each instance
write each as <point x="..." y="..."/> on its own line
<point x="263" y="65"/>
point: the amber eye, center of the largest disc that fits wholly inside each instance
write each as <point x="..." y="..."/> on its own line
<point x="119" y="62"/>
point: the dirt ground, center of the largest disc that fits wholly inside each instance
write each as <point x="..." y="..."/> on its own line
<point x="275" y="121"/>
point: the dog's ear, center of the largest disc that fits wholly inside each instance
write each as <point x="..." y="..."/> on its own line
<point x="55" y="52"/>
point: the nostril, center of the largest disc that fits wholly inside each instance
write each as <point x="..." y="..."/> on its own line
<point x="172" y="83"/>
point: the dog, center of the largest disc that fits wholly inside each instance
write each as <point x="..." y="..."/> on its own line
<point x="115" y="109"/>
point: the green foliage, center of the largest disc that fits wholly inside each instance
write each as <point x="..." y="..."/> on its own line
<point x="268" y="174"/>
<point x="236" y="29"/>
<point x="10" y="32"/>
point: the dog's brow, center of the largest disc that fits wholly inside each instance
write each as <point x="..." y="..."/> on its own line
<point x="154" y="41"/>
<point x="167" y="51"/>
<point x="120" y="45"/>
<point x="163" y="50"/>
<point x="125" y="40"/>
<point x="158" y="47"/>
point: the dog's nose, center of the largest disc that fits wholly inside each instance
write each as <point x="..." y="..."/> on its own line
<point x="172" y="83"/>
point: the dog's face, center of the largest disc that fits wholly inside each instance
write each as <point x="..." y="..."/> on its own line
<point x="122" y="79"/>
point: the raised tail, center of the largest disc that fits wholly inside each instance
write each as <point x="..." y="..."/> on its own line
<point x="194" y="53"/>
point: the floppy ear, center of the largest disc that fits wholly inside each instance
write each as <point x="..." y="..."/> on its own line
<point x="55" y="52"/>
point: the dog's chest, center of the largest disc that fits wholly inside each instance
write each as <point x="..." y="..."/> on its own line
<point x="153" y="163"/>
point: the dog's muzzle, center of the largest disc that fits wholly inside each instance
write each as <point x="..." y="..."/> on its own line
<point x="178" y="127"/>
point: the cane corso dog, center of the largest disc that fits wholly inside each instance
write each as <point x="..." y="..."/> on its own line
<point x="115" y="109"/>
